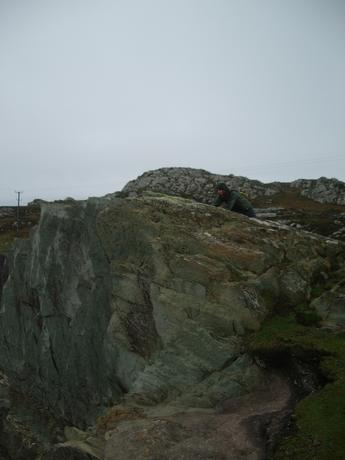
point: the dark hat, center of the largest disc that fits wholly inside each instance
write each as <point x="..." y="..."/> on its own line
<point x="221" y="186"/>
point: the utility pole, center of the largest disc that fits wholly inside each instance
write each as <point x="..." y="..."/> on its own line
<point x="18" y="207"/>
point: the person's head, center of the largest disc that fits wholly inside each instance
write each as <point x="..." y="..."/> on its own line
<point x="221" y="189"/>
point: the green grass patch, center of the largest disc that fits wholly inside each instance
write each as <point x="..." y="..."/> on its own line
<point x="320" y="417"/>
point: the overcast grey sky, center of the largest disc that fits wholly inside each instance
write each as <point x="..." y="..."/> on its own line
<point x="95" y="92"/>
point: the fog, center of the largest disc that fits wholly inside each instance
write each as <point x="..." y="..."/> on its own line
<point x="94" y="93"/>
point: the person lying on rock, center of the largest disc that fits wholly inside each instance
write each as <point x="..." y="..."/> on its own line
<point x="234" y="201"/>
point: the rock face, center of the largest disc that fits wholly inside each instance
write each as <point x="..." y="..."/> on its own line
<point x="323" y="189"/>
<point x="4" y="272"/>
<point x="331" y="306"/>
<point x="55" y="312"/>
<point x="147" y="299"/>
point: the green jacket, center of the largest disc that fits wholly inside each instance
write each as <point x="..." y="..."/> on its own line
<point x="234" y="201"/>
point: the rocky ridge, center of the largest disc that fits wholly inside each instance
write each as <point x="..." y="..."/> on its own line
<point x="199" y="185"/>
<point x="314" y="205"/>
<point x="131" y="320"/>
<point x="196" y="184"/>
<point x="323" y="189"/>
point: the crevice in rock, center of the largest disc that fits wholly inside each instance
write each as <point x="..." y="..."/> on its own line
<point x="266" y="430"/>
<point x="52" y="354"/>
<point x="140" y="325"/>
<point x="33" y="302"/>
<point x="301" y="369"/>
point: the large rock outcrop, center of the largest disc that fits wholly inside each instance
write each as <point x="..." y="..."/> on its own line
<point x="147" y="301"/>
<point x="324" y="190"/>
<point x="195" y="183"/>
<point x="314" y="205"/>
<point x="199" y="184"/>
